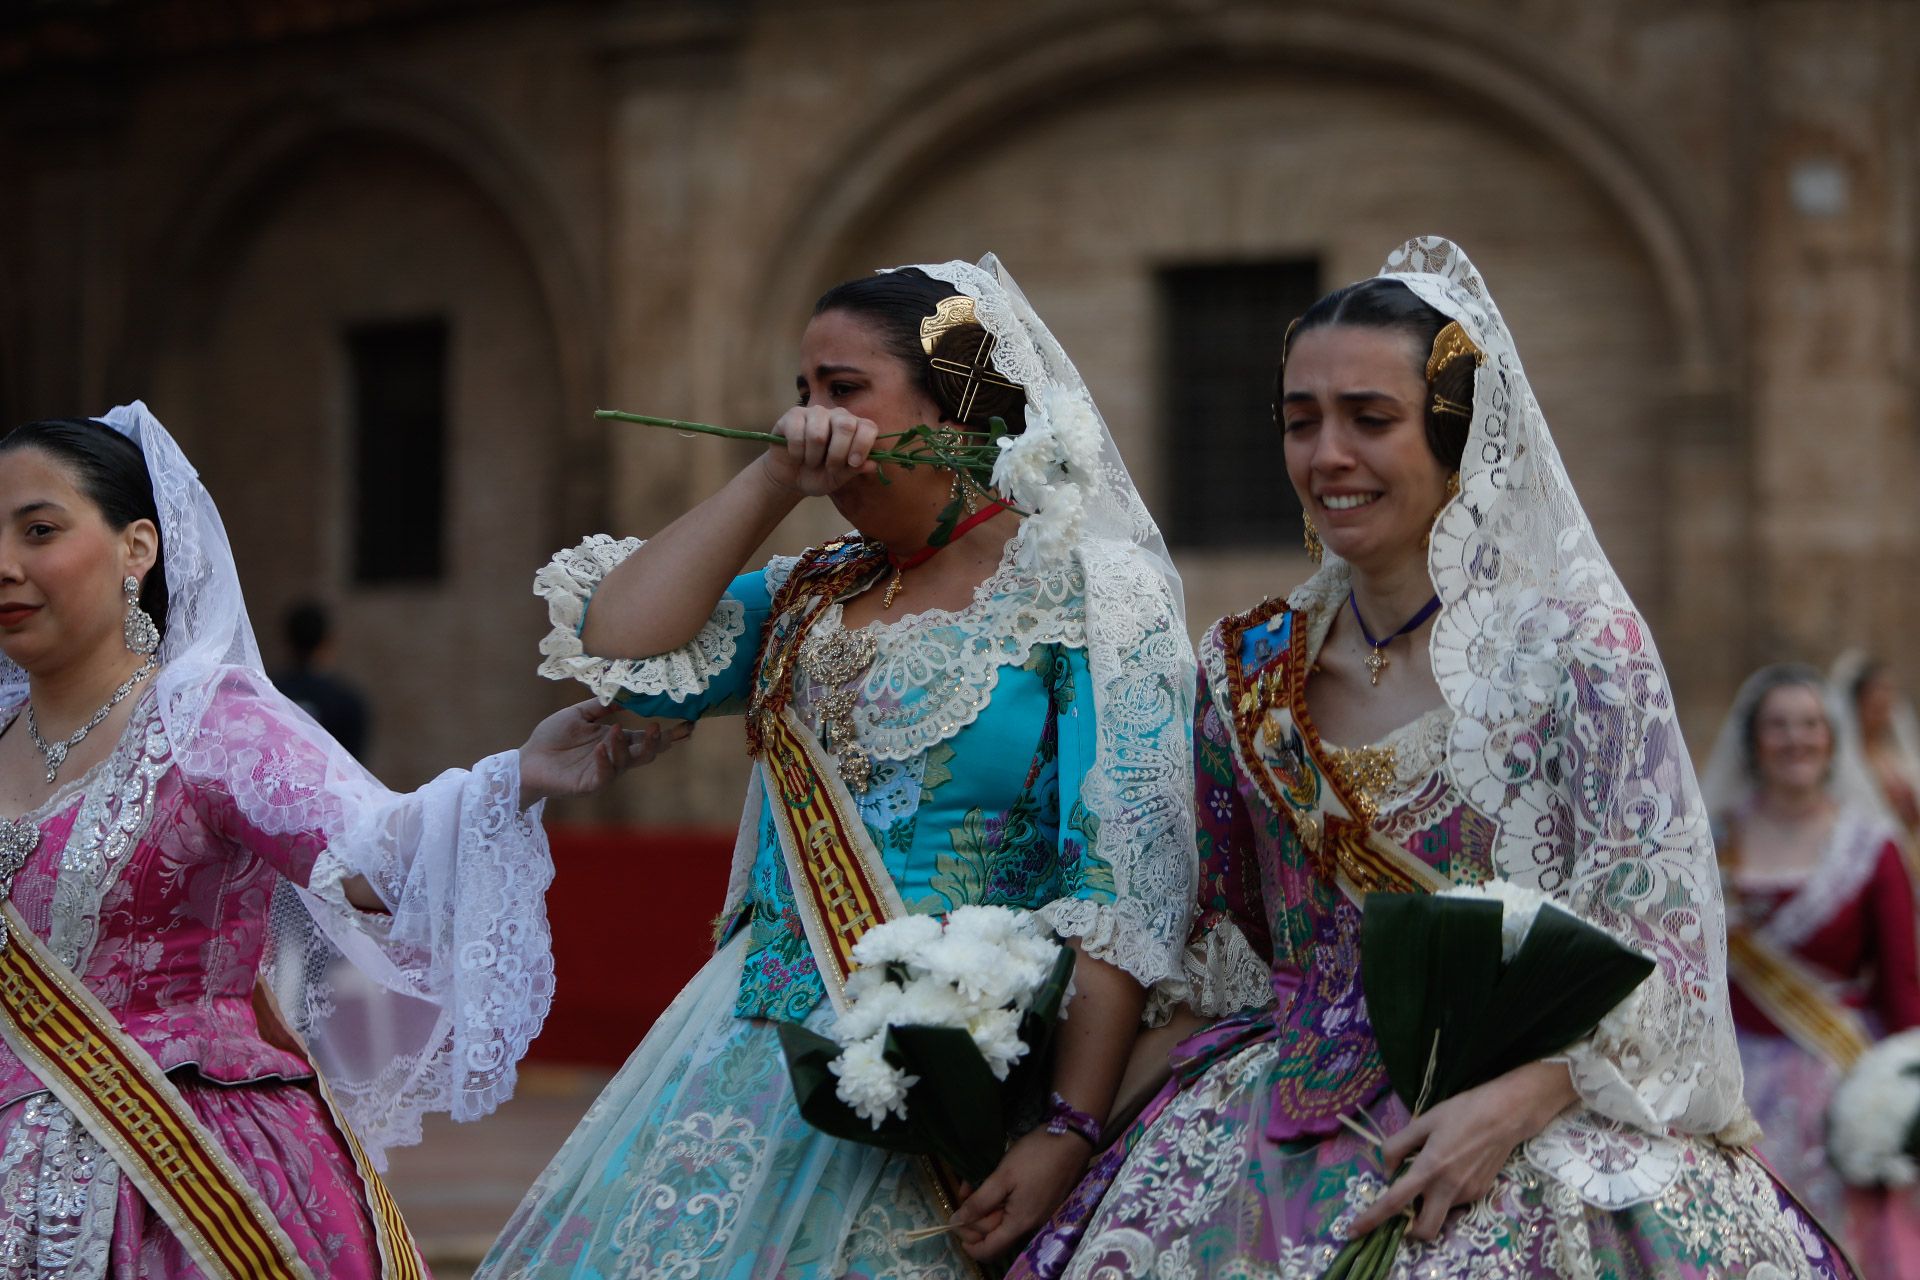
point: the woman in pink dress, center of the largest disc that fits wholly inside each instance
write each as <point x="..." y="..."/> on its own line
<point x="184" y="840"/>
<point x="1821" y="946"/>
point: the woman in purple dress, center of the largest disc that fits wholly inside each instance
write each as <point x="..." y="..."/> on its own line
<point x="1462" y="692"/>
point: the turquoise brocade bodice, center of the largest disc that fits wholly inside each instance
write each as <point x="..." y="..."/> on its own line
<point x="979" y="746"/>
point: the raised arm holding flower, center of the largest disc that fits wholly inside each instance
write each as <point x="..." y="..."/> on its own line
<point x="979" y="697"/>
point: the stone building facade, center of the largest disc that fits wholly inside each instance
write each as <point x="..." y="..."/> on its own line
<point x="1698" y="215"/>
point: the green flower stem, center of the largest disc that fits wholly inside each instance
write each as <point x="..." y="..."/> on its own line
<point x="958" y="457"/>
<point x="921" y="446"/>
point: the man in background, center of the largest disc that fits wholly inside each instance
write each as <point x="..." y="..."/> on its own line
<point x="339" y="707"/>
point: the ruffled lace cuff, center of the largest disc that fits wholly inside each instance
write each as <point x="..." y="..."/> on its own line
<point x="567" y="584"/>
<point x="1113" y="932"/>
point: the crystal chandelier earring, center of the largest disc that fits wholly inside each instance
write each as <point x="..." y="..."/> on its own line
<point x="142" y="636"/>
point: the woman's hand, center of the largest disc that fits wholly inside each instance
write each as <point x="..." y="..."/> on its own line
<point x="1460" y="1145"/>
<point x="581" y="749"/>
<point x="1028" y="1184"/>
<point x="825" y="448"/>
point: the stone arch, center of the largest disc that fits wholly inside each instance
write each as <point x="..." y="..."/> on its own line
<point x="1465" y="55"/>
<point x="323" y="215"/>
<point x="1026" y="77"/>
<point x="265" y="144"/>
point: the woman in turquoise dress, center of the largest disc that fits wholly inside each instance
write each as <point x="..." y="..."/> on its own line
<point x="1462" y="693"/>
<point x="1004" y="710"/>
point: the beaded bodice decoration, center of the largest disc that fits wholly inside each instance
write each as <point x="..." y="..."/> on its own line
<point x="833" y="663"/>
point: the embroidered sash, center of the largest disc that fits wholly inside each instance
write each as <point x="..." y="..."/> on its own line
<point x="1791" y="995"/>
<point x="1283" y="754"/>
<point x="126" y="1102"/>
<point x="400" y="1257"/>
<point x="1795" y="999"/>
<point x="839" y="879"/>
<point x="840" y="882"/>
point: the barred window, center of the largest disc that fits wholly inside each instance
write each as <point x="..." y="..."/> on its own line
<point x="1221" y="326"/>
<point x="399" y="398"/>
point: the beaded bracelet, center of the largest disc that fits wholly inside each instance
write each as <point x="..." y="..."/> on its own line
<point x="1064" y="1117"/>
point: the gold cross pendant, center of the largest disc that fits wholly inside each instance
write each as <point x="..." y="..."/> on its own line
<point x="893" y="589"/>
<point x="1376" y="663"/>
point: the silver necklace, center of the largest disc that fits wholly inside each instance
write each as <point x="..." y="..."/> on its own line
<point x="55" y="753"/>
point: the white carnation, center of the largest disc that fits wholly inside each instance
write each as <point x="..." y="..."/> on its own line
<point x="926" y="1002"/>
<point x="897" y="941"/>
<point x="868" y="1083"/>
<point x="1069" y="418"/>
<point x="996" y="1033"/>
<point x="1054" y="525"/>
<point x="1025" y="469"/>
<point x="978" y="971"/>
<point x="1872" y="1112"/>
<point x="871" y="1012"/>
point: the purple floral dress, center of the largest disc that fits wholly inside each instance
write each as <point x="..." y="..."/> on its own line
<point x="1241" y="1166"/>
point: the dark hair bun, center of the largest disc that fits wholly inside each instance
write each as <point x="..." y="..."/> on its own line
<point x="967" y="386"/>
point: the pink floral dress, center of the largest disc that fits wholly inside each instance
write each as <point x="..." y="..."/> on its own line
<point x="158" y="894"/>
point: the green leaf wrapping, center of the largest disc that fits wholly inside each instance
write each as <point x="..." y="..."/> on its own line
<point x="1432" y="964"/>
<point x="1566" y="976"/>
<point x="957" y="1110"/>
<point x="808" y="1055"/>
<point x="956" y="1107"/>
<point x="1427" y="966"/>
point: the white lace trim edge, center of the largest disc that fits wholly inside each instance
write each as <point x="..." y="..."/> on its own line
<point x="1110" y="931"/>
<point x="567" y="584"/>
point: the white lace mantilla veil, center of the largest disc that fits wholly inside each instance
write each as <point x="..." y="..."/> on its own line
<point x="463" y="964"/>
<point x="1727" y="782"/>
<point x="1565" y="734"/>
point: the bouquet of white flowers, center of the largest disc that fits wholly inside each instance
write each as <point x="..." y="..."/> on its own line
<point x="944" y="1046"/>
<point x="1873" y="1122"/>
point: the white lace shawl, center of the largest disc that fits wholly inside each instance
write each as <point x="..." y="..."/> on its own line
<point x="463" y="965"/>
<point x="1565" y="734"/>
<point x="954" y="657"/>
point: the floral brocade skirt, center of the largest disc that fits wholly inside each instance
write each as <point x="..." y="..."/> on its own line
<point x="66" y="1210"/>
<point x="1789" y="1089"/>
<point x="1196" y="1189"/>
<point x="695" y="1164"/>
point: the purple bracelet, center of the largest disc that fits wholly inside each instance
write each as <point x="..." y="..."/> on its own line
<point x="1064" y="1117"/>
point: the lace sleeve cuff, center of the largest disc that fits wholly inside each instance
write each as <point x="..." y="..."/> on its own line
<point x="567" y="585"/>
<point x="1113" y="932"/>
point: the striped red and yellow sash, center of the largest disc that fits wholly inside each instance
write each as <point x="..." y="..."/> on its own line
<point x="839" y="880"/>
<point x="1795" y="1000"/>
<point x="78" y="1050"/>
<point x="119" y="1093"/>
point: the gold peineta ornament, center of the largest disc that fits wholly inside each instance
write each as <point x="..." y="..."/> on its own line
<point x="1450" y="344"/>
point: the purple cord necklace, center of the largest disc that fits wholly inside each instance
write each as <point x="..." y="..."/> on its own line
<point x="1377" y="660"/>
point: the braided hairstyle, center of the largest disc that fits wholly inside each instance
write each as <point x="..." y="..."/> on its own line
<point x="894" y="303"/>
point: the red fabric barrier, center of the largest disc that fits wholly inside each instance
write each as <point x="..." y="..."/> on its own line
<point x="632" y="911"/>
